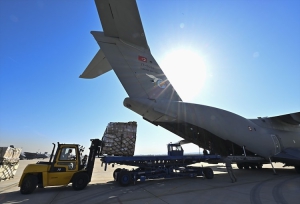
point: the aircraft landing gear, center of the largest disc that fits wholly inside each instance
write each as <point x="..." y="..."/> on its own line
<point x="272" y="166"/>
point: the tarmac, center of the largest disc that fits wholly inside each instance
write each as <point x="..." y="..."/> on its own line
<point x="252" y="186"/>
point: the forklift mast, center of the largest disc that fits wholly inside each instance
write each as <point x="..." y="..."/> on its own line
<point x="95" y="150"/>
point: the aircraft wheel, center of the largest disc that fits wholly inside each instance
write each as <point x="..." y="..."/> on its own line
<point x="208" y="173"/>
<point x="253" y="166"/>
<point x="297" y="168"/>
<point x="124" y="178"/>
<point x="29" y="184"/>
<point x="80" y="181"/>
<point x="240" y="166"/>
<point x="115" y="174"/>
<point x="246" y="166"/>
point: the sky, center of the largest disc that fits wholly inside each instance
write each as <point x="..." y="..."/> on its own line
<point x="238" y="55"/>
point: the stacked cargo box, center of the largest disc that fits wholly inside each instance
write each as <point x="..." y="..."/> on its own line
<point x="9" y="162"/>
<point x="119" y="139"/>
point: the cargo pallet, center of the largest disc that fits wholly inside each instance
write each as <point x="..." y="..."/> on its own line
<point x="175" y="164"/>
<point x="9" y="162"/>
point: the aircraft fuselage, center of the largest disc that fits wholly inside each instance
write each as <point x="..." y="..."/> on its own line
<point x="264" y="140"/>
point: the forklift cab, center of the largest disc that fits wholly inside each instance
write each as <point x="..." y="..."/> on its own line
<point x="67" y="158"/>
<point x="65" y="164"/>
<point x="175" y="150"/>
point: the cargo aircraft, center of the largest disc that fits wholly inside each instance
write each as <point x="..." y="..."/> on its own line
<point x="124" y="50"/>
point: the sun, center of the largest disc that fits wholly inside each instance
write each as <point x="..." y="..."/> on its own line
<point x="186" y="71"/>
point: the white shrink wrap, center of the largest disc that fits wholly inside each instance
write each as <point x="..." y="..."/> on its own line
<point x="119" y="139"/>
<point x="9" y="162"/>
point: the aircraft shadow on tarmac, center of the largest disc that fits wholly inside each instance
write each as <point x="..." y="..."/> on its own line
<point x="251" y="183"/>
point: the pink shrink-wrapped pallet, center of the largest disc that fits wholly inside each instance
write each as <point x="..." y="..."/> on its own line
<point x="119" y="139"/>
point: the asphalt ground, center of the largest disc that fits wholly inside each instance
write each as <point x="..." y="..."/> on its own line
<point x="252" y="186"/>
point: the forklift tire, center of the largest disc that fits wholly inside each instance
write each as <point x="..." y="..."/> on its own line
<point x="115" y="173"/>
<point x="80" y="181"/>
<point x="29" y="184"/>
<point x="124" y="178"/>
<point x="208" y="173"/>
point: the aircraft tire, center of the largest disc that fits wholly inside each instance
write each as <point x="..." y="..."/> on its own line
<point x="253" y="166"/>
<point x="124" y="178"/>
<point x="80" y="181"/>
<point x="208" y="173"/>
<point x="116" y="172"/>
<point x="29" y="184"/>
<point x="246" y="166"/>
<point x="240" y="166"/>
<point x="297" y="168"/>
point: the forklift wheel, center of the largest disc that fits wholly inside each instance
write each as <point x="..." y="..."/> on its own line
<point x="29" y="184"/>
<point x="80" y="181"/>
<point x="124" y="178"/>
<point x="208" y="173"/>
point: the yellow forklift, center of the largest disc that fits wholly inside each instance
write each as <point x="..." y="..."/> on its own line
<point x="67" y="166"/>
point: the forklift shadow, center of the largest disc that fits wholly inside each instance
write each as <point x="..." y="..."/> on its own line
<point x="56" y="193"/>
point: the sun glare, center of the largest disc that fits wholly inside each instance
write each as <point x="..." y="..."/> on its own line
<point x="186" y="71"/>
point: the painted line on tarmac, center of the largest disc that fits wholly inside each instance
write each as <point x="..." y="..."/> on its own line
<point x="140" y="186"/>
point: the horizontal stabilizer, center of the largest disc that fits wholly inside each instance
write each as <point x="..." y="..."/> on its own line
<point x="121" y="19"/>
<point x="98" y="66"/>
<point x="291" y="119"/>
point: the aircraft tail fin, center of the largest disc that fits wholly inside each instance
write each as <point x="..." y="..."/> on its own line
<point x="136" y="69"/>
<point x="124" y="49"/>
<point x="121" y="19"/>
